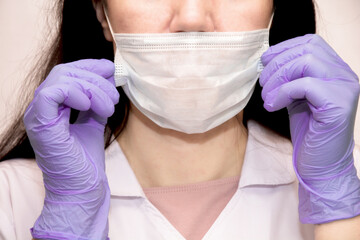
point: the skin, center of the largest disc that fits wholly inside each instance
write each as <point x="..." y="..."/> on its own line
<point x="163" y="157"/>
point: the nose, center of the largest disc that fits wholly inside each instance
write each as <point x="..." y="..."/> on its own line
<point x="192" y="16"/>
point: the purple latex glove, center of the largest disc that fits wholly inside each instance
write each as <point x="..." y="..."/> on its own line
<point x="321" y="93"/>
<point x="71" y="156"/>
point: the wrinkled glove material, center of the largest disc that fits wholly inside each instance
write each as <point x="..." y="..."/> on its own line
<point x="71" y="156"/>
<point x="321" y="93"/>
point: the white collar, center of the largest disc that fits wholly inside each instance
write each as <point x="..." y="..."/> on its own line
<point x="267" y="161"/>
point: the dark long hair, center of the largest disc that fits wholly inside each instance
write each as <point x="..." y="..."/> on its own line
<point x="80" y="36"/>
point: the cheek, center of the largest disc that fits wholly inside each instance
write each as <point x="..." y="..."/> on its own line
<point x="141" y="16"/>
<point x="245" y="15"/>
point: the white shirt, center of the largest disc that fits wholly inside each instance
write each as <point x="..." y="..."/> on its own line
<point x="264" y="207"/>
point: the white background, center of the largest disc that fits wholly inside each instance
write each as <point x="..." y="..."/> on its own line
<point x="23" y="30"/>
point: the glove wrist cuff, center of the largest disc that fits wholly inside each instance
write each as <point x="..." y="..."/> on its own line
<point x="39" y="234"/>
<point x="324" y="201"/>
<point x="74" y="219"/>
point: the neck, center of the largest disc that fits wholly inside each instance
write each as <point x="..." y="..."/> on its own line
<point x="164" y="157"/>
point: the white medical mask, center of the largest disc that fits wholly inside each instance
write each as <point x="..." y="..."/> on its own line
<point x="189" y="81"/>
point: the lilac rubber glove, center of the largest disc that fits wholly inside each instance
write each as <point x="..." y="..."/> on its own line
<point x="321" y="93"/>
<point x="71" y="156"/>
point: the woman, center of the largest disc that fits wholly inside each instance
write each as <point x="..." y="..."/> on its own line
<point x="180" y="166"/>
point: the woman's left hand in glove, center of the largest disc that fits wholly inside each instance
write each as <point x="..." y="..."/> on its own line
<point x="321" y="94"/>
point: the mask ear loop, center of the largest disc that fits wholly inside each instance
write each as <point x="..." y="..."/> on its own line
<point x="271" y="20"/>
<point x="119" y="75"/>
<point x="108" y="21"/>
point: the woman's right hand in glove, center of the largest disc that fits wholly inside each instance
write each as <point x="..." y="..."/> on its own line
<point x="71" y="156"/>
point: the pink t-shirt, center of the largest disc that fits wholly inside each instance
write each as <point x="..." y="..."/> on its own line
<point x="193" y="208"/>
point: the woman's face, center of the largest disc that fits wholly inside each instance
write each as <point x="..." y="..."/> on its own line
<point x="169" y="16"/>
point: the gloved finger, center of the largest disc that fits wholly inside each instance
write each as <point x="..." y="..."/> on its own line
<point x="46" y="103"/>
<point x="275" y="50"/>
<point x="101" y="103"/>
<point x="305" y="66"/>
<point x="311" y="89"/>
<point x="44" y="134"/>
<point x="102" y="67"/>
<point x="310" y="65"/>
<point x="107" y="85"/>
<point x="90" y="117"/>
<point x="302" y="51"/>
<point x="34" y="120"/>
<point x="68" y="93"/>
<point x="313" y="39"/>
